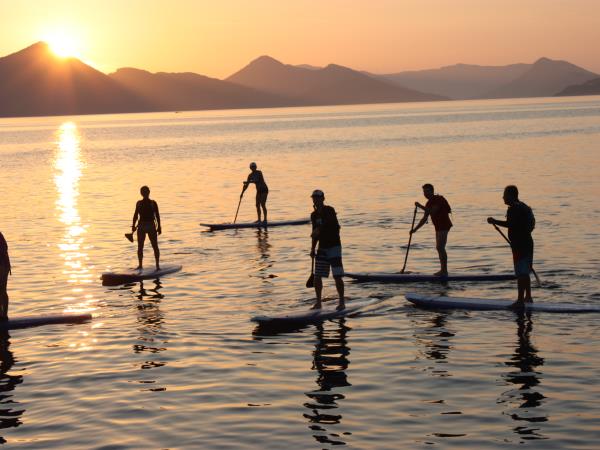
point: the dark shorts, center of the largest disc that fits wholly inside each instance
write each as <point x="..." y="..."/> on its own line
<point x="522" y="260"/>
<point x="261" y="197"/>
<point x="144" y="228"/>
<point x="326" y="258"/>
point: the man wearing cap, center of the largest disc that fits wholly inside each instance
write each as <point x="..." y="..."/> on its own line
<point x="262" y="191"/>
<point x="326" y="231"/>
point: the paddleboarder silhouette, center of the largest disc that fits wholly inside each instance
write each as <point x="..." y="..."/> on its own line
<point x="146" y="210"/>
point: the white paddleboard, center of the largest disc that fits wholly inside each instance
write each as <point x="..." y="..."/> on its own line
<point x="132" y="275"/>
<point x="494" y="304"/>
<point x="313" y="315"/>
<point x="36" y="321"/>
<point x="382" y="277"/>
<point x="229" y="226"/>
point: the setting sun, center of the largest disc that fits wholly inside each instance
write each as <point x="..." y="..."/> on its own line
<point x="64" y="45"/>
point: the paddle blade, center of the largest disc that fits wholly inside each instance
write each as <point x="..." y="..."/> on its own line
<point x="311" y="281"/>
<point x="129" y="236"/>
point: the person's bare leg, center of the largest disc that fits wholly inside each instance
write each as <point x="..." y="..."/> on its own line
<point x="441" y="238"/>
<point x="141" y="239"/>
<point x="264" y="208"/>
<point x="154" y="241"/>
<point x="318" y="292"/>
<point x="339" y="285"/>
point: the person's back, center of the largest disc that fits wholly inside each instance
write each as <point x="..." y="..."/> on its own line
<point x="325" y="220"/>
<point x="521" y="223"/>
<point x="440" y="212"/>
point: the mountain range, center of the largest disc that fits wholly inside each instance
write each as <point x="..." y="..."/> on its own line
<point x="35" y="82"/>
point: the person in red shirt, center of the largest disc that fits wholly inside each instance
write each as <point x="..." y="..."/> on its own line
<point x="439" y="209"/>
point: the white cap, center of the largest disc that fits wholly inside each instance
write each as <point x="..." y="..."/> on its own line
<point x="318" y="193"/>
<point x="253" y="165"/>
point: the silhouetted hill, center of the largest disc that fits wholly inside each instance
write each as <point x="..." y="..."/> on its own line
<point x="460" y="81"/>
<point x="544" y="78"/>
<point x="35" y="82"/>
<point x="327" y="86"/>
<point x="190" y="91"/>
<point x="591" y="87"/>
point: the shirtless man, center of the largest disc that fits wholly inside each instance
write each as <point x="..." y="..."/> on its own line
<point x="262" y="190"/>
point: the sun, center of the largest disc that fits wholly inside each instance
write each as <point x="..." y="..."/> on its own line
<point x="63" y="44"/>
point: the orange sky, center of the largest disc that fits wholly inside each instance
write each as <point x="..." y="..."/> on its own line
<point x="216" y="38"/>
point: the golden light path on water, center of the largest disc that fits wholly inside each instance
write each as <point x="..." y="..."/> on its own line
<point x="68" y="167"/>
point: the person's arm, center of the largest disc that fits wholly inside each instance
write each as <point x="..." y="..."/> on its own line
<point x="135" y="216"/>
<point x="422" y="222"/>
<point x="249" y="180"/>
<point x="157" y="215"/>
<point x="500" y="223"/>
<point x="316" y="231"/>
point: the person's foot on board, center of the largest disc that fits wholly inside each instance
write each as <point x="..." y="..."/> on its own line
<point x="440" y="273"/>
<point x="157" y="267"/>
<point x="340" y="306"/>
<point x="317" y="305"/>
<point x="517" y="305"/>
<point x="139" y="268"/>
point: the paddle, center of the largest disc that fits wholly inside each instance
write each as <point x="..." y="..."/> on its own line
<point x="238" y="208"/>
<point x="537" y="279"/>
<point x="409" y="240"/>
<point x="311" y="280"/>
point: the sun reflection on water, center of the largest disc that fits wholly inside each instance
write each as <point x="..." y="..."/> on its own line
<point x="69" y="166"/>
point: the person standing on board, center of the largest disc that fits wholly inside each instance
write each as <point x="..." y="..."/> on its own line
<point x="520" y="222"/>
<point x="4" y="272"/>
<point x="146" y="210"/>
<point x="326" y="231"/>
<point x="262" y="190"/>
<point x="439" y="209"/>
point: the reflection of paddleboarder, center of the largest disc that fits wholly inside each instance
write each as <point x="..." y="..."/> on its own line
<point x="262" y="190"/>
<point x="4" y="271"/>
<point x="146" y="210"/>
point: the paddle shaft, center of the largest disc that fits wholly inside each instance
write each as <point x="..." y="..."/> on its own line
<point x="238" y="208"/>
<point x="409" y="240"/>
<point x="537" y="279"/>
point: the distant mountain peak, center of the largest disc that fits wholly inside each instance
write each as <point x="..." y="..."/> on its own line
<point x="265" y="60"/>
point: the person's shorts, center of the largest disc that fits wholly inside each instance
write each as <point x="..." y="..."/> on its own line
<point x="522" y="262"/>
<point x="326" y="258"/>
<point x="261" y="198"/>
<point x="146" y="228"/>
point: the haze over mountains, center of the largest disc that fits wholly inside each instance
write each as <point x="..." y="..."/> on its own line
<point x="35" y="82"/>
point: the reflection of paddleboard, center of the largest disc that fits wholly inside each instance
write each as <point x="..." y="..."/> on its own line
<point x="128" y="276"/>
<point x="312" y="315"/>
<point x="492" y="304"/>
<point x="416" y="277"/>
<point x="35" y="321"/>
<point x="228" y="226"/>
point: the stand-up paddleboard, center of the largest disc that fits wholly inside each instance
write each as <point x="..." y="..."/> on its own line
<point x="229" y="226"/>
<point x="312" y="315"/>
<point x="494" y="305"/>
<point x="36" y="321"/>
<point x="132" y="275"/>
<point x="422" y="278"/>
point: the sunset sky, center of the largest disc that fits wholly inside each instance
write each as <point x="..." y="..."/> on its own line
<point x="216" y="38"/>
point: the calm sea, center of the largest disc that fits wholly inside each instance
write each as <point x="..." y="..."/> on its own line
<point x="176" y="363"/>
